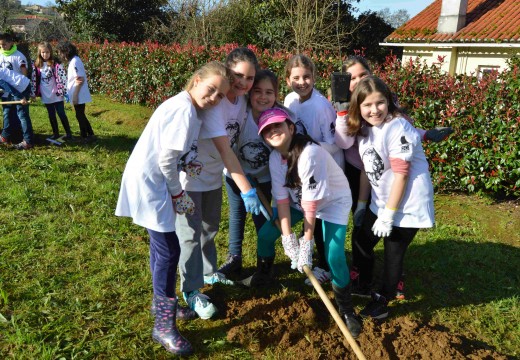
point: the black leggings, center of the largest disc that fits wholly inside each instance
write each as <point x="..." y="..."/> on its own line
<point x="84" y="125"/>
<point x="395" y="248"/>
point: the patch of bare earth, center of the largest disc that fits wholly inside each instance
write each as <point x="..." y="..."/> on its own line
<point x="296" y="327"/>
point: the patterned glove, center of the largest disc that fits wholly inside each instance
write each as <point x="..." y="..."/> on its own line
<point x="291" y="248"/>
<point x="438" y="134"/>
<point x="252" y="203"/>
<point x="383" y="225"/>
<point x="183" y="204"/>
<point x="305" y="254"/>
<point x="193" y="170"/>
<point x="359" y="214"/>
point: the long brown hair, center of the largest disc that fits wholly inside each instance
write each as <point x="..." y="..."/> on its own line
<point x="39" y="59"/>
<point x="209" y="69"/>
<point x="298" y="144"/>
<point x="368" y="85"/>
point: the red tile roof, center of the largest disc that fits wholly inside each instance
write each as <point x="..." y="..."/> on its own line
<point x="487" y="21"/>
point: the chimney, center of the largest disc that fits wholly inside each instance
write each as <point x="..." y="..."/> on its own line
<point x="453" y="16"/>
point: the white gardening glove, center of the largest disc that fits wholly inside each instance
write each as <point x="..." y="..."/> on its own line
<point x="291" y="248"/>
<point x="383" y="225"/>
<point x="305" y="254"/>
<point x="359" y="214"/>
<point x="183" y="204"/>
<point x="438" y="134"/>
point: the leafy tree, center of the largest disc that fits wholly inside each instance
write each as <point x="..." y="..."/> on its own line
<point x="119" y="20"/>
<point x="394" y="19"/>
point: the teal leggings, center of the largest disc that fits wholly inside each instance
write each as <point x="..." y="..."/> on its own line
<point x="333" y="236"/>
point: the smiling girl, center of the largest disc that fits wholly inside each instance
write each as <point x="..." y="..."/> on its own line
<point x="152" y="195"/>
<point x="402" y="192"/>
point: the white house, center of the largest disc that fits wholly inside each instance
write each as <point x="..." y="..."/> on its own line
<point x="473" y="36"/>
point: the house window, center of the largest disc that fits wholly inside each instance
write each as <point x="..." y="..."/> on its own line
<point x="486" y="69"/>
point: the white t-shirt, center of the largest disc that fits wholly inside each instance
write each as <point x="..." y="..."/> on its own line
<point x="252" y="151"/>
<point x="48" y="85"/>
<point x="398" y="139"/>
<point x="76" y="69"/>
<point x="17" y="81"/>
<point x="144" y="195"/>
<point x="13" y="62"/>
<point x="322" y="179"/>
<point x="226" y="119"/>
<point x="316" y="117"/>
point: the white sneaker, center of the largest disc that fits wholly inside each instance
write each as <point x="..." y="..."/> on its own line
<point x="200" y="304"/>
<point x="217" y="278"/>
<point x="321" y="275"/>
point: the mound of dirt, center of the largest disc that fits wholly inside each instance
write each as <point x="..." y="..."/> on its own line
<point x="301" y="328"/>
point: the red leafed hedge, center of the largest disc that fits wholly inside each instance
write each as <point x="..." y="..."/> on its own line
<point x="481" y="156"/>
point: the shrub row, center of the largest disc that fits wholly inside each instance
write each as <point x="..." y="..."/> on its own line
<point x="481" y="156"/>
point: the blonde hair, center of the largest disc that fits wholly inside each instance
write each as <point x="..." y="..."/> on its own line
<point x="300" y="61"/>
<point x="39" y="59"/>
<point x="353" y="60"/>
<point x="210" y="69"/>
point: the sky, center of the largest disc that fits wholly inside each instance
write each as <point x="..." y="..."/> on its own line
<point x="412" y="6"/>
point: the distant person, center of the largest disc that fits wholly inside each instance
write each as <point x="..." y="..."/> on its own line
<point x="14" y="60"/>
<point x="77" y="88"/>
<point x="49" y="81"/>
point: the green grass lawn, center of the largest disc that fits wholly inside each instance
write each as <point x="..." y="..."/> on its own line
<point x="74" y="279"/>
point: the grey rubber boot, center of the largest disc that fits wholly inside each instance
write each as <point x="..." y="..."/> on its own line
<point x="165" y="328"/>
<point x="263" y="274"/>
<point x="343" y="299"/>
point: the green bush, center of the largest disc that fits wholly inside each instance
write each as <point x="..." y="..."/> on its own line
<point x="481" y="156"/>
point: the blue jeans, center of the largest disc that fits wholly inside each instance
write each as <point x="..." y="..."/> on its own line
<point x="22" y="111"/>
<point x="164" y="258"/>
<point x="237" y="214"/>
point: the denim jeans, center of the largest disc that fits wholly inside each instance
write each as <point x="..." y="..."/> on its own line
<point x="237" y="214"/>
<point x="164" y="258"/>
<point x="22" y="111"/>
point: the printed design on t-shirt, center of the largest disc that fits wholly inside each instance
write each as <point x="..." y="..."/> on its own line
<point x="312" y="184"/>
<point x="296" y="194"/>
<point x="233" y="131"/>
<point x="374" y="165"/>
<point x="47" y="76"/>
<point x="188" y="162"/>
<point x="6" y="64"/>
<point x="332" y="129"/>
<point x="300" y="127"/>
<point x="256" y="154"/>
<point x="405" y="146"/>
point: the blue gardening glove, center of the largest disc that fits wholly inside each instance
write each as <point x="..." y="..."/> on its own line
<point x="305" y="254"/>
<point x="67" y="98"/>
<point x="341" y="106"/>
<point x="383" y="225"/>
<point x="438" y="134"/>
<point x="253" y="204"/>
<point x="359" y="214"/>
<point x="291" y="248"/>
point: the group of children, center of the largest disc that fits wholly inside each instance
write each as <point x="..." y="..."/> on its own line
<point x="48" y="81"/>
<point x="228" y="120"/>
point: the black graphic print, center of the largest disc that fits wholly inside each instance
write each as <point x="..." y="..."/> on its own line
<point x="374" y="165"/>
<point x="256" y="154"/>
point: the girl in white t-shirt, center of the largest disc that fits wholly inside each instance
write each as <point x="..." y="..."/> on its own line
<point x="315" y="116"/>
<point x="152" y="195"/>
<point x="218" y="136"/>
<point x="307" y="183"/>
<point x="77" y="87"/>
<point x="397" y="172"/>
<point x="49" y="81"/>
